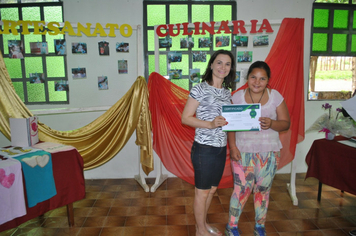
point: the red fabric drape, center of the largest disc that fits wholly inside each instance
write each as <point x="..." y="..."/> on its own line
<point x="172" y="141"/>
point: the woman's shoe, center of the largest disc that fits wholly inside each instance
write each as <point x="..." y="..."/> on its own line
<point x="214" y="230"/>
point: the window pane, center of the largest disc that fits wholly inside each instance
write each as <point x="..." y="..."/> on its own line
<point x="19" y="90"/>
<point x="36" y="92"/>
<point x="33" y="65"/>
<point x="151" y="64"/>
<point x="31" y="13"/>
<point x="163" y="65"/>
<point x="222" y="12"/>
<point x="320" y="42"/>
<point x="354" y="20"/>
<point x="8" y="1"/>
<point x="184" y="65"/>
<point x="53" y="14"/>
<point x="178" y="14"/>
<point x="341" y="19"/>
<point x="10" y="14"/>
<point x="200" y="13"/>
<point x="339" y="43"/>
<point x="156" y="19"/>
<point x="14" y="68"/>
<point x="321" y="18"/>
<point x="176" y="42"/>
<point x="150" y="40"/>
<point x="56" y="96"/>
<point x="353" y="43"/>
<point x="31" y="38"/>
<point x="55" y="66"/>
<point x="183" y="83"/>
<point x="50" y="41"/>
<point x="201" y="65"/>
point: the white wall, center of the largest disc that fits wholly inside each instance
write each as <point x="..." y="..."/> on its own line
<point x="125" y="164"/>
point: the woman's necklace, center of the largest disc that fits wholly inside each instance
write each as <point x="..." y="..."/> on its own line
<point x="251" y="96"/>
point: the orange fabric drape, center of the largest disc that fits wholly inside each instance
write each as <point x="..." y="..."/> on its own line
<point x="172" y="141"/>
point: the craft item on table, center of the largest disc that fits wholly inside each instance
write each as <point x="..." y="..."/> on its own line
<point x="16" y="151"/>
<point x="38" y="175"/>
<point x="12" y="200"/>
<point x="24" y="131"/>
<point x="53" y="147"/>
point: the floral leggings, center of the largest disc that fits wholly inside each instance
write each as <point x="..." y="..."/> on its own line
<point x="254" y="172"/>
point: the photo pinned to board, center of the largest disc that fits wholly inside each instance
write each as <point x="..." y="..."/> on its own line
<point x="175" y="74"/>
<point x="222" y="41"/>
<point x="103" y="48"/>
<point x="244" y="56"/>
<point x="122" y="47"/>
<point x="199" y="56"/>
<point x="39" y="48"/>
<point x="79" y="73"/>
<point x="240" y="41"/>
<point x="204" y="42"/>
<point x="37" y="78"/>
<point x="122" y="65"/>
<point x="103" y="83"/>
<point x="79" y="48"/>
<point x="165" y="42"/>
<point x="61" y="85"/>
<point x="194" y="75"/>
<point x="186" y="42"/>
<point x="174" y="57"/>
<point x="15" y="49"/>
<point x="238" y="77"/>
<point x="261" y="40"/>
<point x="60" y="46"/>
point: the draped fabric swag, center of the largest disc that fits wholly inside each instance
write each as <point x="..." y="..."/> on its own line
<point x="102" y="139"/>
<point x="172" y="141"/>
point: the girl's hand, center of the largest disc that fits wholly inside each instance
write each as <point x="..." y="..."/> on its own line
<point x="235" y="154"/>
<point x="218" y="122"/>
<point x="265" y="122"/>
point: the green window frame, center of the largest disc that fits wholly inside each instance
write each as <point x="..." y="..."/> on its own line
<point x="174" y="12"/>
<point x="50" y="67"/>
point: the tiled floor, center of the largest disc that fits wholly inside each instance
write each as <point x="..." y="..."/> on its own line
<point x="121" y="207"/>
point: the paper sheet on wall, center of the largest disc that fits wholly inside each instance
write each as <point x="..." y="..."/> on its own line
<point x="350" y="106"/>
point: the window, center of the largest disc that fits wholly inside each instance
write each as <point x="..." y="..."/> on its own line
<point x="36" y="67"/>
<point x="333" y="46"/>
<point x="175" y="12"/>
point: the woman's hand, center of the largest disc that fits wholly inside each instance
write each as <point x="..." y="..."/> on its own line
<point x="218" y="122"/>
<point x="235" y="154"/>
<point x="265" y="122"/>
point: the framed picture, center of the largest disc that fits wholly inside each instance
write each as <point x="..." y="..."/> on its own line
<point x="61" y="86"/>
<point x="165" y="42"/>
<point x="175" y="74"/>
<point x="103" y="83"/>
<point x="222" y="41"/>
<point x="194" y="75"/>
<point x="204" y="42"/>
<point x="39" y="48"/>
<point x="122" y="64"/>
<point x="260" y="40"/>
<point x="186" y="42"/>
<point x="37" y="78"/>
<point x="199" y="56"/>
<point x="244" y="56"/>
<point x="15" y="49"/>
<point x="60" y="46"/>
<point x="238" y="77"/>
<point x="174" y="57"/>
<point x="79" y="48"/>
<point x="79" y="73"/>
<point x="103" y="48"/>
<point x="122" y="47"/>
<point x="240" y="41"/>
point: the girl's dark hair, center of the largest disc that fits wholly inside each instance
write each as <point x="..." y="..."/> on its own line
<point x="262" y="65"/>
<point x="208" y="74"/>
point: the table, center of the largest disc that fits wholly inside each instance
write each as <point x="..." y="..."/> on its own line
<point x="70" y="185"/>
<point x="333" y="164"/>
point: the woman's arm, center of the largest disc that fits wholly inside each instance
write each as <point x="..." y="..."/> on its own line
<point x="188" y="117"/>
<point x="283" y="120"/>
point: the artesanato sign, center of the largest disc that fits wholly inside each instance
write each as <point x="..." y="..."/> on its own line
<point x="55" y="28"/>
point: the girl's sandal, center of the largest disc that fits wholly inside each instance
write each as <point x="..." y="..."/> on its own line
<point x="214" y="230"/>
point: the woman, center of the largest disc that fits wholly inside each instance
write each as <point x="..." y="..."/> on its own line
<point x="255" y="154"/>
<point x="203" y="112"/>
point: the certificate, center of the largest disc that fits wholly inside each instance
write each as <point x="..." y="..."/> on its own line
<point x="242" y="117"/>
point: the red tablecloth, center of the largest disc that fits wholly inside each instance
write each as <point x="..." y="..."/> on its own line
<point x="333" y="164"/>
<point x="69" y="180"/>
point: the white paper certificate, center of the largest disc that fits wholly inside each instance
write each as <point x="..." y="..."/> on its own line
<point x="242" y="117"/>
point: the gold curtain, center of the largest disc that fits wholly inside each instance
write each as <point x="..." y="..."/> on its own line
<point x="102" y="139"/>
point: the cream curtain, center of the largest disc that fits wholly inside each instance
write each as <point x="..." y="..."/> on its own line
<point x="102" y="139"/>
